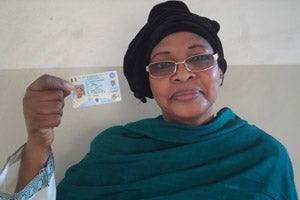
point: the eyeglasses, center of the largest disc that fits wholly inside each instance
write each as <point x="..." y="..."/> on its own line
<point x="195" y="63"/>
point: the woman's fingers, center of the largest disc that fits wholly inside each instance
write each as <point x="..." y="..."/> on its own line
<point x="43" y="105"/>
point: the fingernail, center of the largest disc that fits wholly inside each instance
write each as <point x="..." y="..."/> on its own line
<point x="69" y="86"/>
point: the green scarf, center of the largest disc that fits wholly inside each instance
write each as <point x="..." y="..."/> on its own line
<point x="152" y="159"/>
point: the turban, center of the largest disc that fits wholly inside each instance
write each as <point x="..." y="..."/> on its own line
<point x="164" y="19"/>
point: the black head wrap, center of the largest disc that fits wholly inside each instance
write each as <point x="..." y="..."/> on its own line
<point x="164" y="19"/>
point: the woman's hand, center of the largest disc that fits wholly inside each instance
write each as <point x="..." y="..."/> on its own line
<point x="43" y="108"/>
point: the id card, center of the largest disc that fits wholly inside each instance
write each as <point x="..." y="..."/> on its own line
<point x="95" y="89"/>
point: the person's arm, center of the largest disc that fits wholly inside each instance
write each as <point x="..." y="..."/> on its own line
<point x="33" y="161"/>
<point x="41" y="187"/>
<point x="43" y="108"/>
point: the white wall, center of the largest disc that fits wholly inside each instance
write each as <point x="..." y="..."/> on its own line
<point x="70" y="37"/>
<point x="75" y="33"/>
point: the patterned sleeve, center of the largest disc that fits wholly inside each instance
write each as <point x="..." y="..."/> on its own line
<point x="41" y="187"/>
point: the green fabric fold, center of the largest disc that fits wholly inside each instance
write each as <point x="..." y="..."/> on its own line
<point x="152" y="159"/>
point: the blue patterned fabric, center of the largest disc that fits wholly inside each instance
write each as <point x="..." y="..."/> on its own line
<point x="37" y="184"/>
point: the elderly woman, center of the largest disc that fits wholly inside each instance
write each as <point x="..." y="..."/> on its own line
<point x="189" y="152"/>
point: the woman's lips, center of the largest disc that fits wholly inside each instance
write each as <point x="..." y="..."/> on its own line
<point x="186" y="95"/>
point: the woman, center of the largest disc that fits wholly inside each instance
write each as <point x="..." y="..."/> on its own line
<point x="189" y="152"/>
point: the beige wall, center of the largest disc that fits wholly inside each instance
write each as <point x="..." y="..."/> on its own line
<point x="62" y="38"/>
<point x="76" y="33"/>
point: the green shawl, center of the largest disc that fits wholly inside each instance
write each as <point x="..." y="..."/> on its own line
<point x="152" y="159"/>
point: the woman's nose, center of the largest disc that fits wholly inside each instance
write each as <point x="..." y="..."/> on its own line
<point x="182" y="73"/>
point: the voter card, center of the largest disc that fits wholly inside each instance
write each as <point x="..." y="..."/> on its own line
<point x="95" y="89"/>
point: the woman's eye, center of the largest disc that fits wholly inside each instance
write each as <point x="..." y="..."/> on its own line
<point x="162" y="65"/>
<point x="200" y="59"/>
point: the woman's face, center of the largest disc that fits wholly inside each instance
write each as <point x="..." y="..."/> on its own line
<point x="79" y="92"/>
<point x="185" y="97"/>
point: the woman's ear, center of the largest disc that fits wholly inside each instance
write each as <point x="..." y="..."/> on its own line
<point x="221" y="78"/>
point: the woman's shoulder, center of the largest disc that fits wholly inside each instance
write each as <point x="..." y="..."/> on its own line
<point x="270" y="144"/>
<point x="267" y="142"/>
<point x="245" y="129"/>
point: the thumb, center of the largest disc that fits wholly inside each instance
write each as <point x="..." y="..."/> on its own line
<point x="48" y="82"/>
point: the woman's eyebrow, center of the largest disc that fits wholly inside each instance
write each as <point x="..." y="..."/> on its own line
<point x="160" y="53"/>
<point x="198" y="46"/>
<point x="204" y="47"/>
